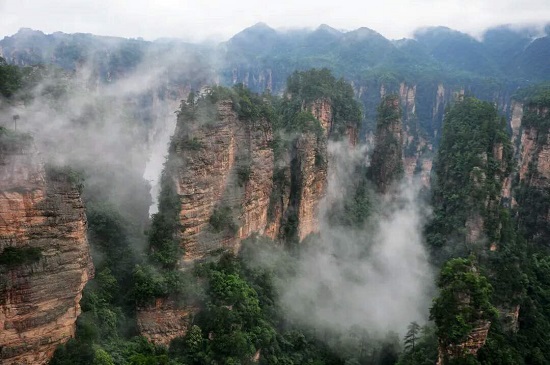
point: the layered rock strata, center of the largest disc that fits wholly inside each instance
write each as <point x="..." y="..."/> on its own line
<point x="530" y="127"/>
<point x="230" y="186"/>
<point x="475" y="341"/>
<point x="224" y="166"/>
<point x="39" y="297"/>
<point x="387" y="158"/>
<point x="164" y="321"/>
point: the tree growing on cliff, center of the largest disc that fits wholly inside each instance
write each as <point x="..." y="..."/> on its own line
<point x="474" y="158"/>
<point x="386" y="166"/>
<point x="317" y="84"/>
<point x="463" y="304"/>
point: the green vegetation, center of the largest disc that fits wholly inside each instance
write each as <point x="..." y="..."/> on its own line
<point x="473" y="160"/>
<point x="244" y="170"/>
<point x="412" y="337"/>
<point x="106" y="330"/>
<point x="249" y="107"/>
<point x="534" y="115"/>
<point x="469" y="172"/>
<point x="15" y="256"/>
<point x="10" y="79"/>
<point x="505" y="265"/>
<point x="192" y="144"/>
<point x="238" y="299"/>
<point x="74" y="177"/>
<point x="386" y="166"/>
<point x="241" y="316"/>
<point x="533" y="200"/>
<point x="160" y="275"/>
<point x="232" y="315"/>
<point x="464" y="301"/>
<point x="318" y="85"/>
<point x="165" y="226"/>
<point x="420" y="346"/>
<point x="14" y="142"/>
<point x="222" y="220"/>
<point x="538" y="94"/>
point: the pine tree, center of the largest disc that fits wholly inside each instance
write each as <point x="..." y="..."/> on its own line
<point x="411" y="338"/>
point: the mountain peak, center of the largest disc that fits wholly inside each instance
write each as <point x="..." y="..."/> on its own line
<point x="257" y="30"/>
<point x="438" y="31"/>
<point x="28" y="32"/>
<point x="260" y="26"/>
<point x="328" y="29"/>
<point x="364" y="32"/>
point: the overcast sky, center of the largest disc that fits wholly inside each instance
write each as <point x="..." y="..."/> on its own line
<point x="218" y="19"/>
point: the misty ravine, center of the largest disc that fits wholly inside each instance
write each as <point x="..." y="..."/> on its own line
<point x="375" y="277"/>
<point x="159" y="139"/>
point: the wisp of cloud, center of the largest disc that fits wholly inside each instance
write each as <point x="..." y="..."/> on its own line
<point x="377" y="276"/>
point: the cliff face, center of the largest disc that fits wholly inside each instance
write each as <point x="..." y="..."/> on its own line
<point x="39" y="298"/>
<point x="230" y="186"/>
<point x="387" y="158"/>
<point x="225" y="170"/>
<point x="322" y="111"/>
<point x="534" y="149"/>
<point x="468" y="196"/>
<point x="309" y="179"/>
<point x="418" y="151"/>
<point x="475" y="341"/>
<point x="530" y="128"/>
<point x="423" y="103"/>
<point x="164" y="321"/>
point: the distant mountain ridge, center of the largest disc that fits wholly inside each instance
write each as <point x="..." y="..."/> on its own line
<point x="503" y="52"/>
<point x="428" y="71"/>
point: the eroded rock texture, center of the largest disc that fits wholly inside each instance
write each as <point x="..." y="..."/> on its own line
<point x="164" y="321"/>
<point x="224" y="166"/>
<point x="387" y="158"/>
<point x="39" y="298"/>
<point x="475" y="341"/>
<point x="532" y="197"/>
<point x="309" y="179"/>
<point x="231" y="187"/>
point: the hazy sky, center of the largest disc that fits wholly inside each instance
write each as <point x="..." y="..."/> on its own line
<point x="218" y="19"/>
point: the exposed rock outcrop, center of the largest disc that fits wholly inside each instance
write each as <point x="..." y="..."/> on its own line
<point x="516" y="114"/>
<point x="226" y="169"/>
<point x="39" y="298"/>
<point x="475" y="341"/>
<point x="534" y="150"/>
<point x="308" y="182"/>
<point x="509" y="318"/>
<point x="225" y="166"/>
<point x="407" y="95"/>
<point x="533" y="153"/>
<point x="387" y="158"/>
<point x="322" y="111"/>
<point x="164" y="321"/>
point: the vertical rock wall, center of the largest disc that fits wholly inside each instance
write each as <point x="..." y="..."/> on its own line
<point x="532" y="196"/>
<point x="39" y="300"/>
<point x="387" y="158"/>
<point x="226" y="164"/>
<point x="475" y="341"/>
<point x="223" y="164"/>
<point x="310" y="169"/>
<point x="164" y="321"/>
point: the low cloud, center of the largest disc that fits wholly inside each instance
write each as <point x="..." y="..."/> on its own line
<point x="376" y="277"/>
